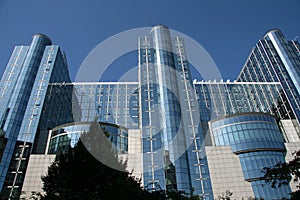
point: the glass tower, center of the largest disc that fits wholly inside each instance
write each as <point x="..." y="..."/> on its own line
<point x="173" y="155"/>
<point x="23" y="90"/>
<point x="164" y="120"/>
<point x="276" y="59"/>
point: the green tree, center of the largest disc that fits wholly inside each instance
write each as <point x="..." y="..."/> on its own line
<point x="284" y="173"/>
<point x="76" y="174"/>
<point x="3" y="142"/>
<point x="225" y="196"/>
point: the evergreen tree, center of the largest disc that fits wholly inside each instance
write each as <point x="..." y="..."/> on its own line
<point x="283" y="173"/>
<point x="76" y="174"/>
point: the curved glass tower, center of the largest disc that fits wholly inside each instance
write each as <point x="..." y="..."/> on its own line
<point x="173" y="156"/>
<point x="23" y="89"/>
<point x="276" y="59"/>
<point x="287" y="54"/>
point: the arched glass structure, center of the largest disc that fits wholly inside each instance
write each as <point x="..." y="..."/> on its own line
<point x="66" y="136"/>
<point x="257" y="140"/>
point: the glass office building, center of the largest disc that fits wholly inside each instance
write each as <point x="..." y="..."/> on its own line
<point x="227" y="104"/>
<point x="258" y="142"/>
<point x="67" y="135"/>
<point x="201" y="136"/>
<point x="23" y="101"/>
<point x="173" y="155"/>
<point x="276" y="59"/>
<point x="217" y="99"/>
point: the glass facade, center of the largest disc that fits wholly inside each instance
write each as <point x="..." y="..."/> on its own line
<point x="222" y="98"/>
<point x="67" y="135"/>
<point x="217" y="99"/>
<point x="57" y="110"/>
<point x="173" y="154"/>
<point x="114" y="102"/>
<point x="23" y="90"/>
<point x="276" y="59"/>
<point x="258" y="142"/>
<point x="171" y="118"/>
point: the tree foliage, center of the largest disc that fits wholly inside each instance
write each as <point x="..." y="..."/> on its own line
<point x="76" y="174"/>
<point x="225" y="196"/>
<point x="284" y="173"/>
<point x="3" y="142"/>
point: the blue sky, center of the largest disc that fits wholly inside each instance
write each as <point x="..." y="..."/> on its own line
<point x="226" y="29"/>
